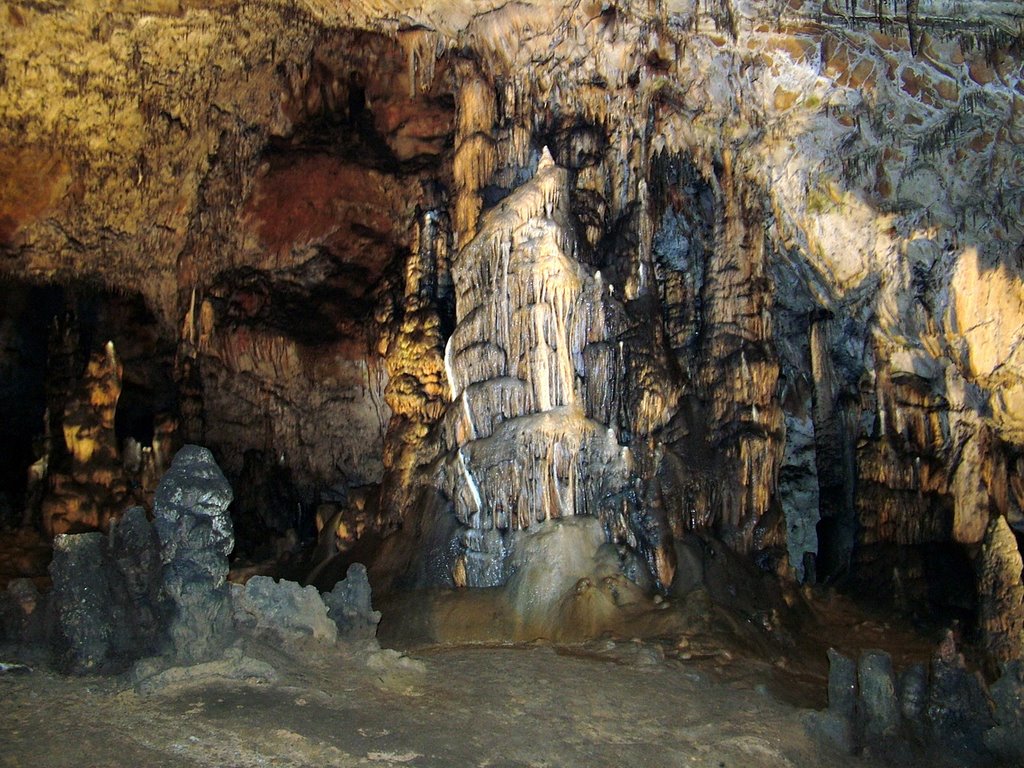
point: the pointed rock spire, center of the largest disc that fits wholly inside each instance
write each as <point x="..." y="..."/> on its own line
<point x="546" y="161"/>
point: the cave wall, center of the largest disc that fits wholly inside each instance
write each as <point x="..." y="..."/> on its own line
<point x="809" y="214"/>
<point x="259" y="188"/>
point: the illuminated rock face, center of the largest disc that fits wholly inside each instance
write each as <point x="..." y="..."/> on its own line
<point x="531" y="433"/>
<point x="1002" y="594"/>
<point x="95" y="489"/>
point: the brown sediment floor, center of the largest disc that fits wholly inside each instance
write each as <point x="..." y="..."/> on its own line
<point x="605" y="703"/>
<point x="784" y="647"/>
<point x="713" y="686"/>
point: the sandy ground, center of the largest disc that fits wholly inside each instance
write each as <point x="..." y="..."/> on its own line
<point x="604" y="704"/>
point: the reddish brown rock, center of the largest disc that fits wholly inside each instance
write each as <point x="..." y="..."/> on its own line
<point x="890" y="42"/>
<point x="316" y="200"/>
<point x="980" y="70"/>
<point x="32" y="179"/>
<point x="847" y="63"/>
<point x="929" y="87"/>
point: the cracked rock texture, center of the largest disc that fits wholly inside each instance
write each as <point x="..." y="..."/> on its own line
<point x="775" y="295"/>
<point x="195" y="538"/>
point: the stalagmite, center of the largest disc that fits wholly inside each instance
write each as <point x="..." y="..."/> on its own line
<point x="95" y="486"/>
<point x="1001" y="593"/>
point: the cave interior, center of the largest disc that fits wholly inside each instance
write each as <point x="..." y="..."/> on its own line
<point x="598" y="321"/>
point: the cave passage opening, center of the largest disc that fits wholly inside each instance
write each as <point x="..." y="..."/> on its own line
<point x="51" y="333"/>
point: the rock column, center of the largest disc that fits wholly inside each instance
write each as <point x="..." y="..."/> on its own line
<point x="196" y="536"/>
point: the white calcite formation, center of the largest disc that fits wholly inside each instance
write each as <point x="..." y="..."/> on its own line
<point x="531" y="433"/>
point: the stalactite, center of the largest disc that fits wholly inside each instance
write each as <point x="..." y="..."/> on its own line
<point x="475" y="152"/>
<point x="738" y="370"/>
<point x="421" y="48"/>
<point x="532" y="370"/>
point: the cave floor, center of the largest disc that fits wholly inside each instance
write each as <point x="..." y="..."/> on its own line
<point x="606" y="704"/>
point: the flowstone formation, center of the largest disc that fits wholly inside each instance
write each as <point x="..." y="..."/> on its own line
<point x="532" y="367"/>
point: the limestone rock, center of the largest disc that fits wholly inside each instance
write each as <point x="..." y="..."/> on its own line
<point x="91" y="493"/>
<point x="196" y="536"/>
<point x="134" y="556"/>
<point x="746" y="270"/>
<point x="1006" y="738"/>
<point x="282" y="611"/>
<point x="799" y="492"/>
<point x="959" y="711"/>
<point x="836" y="726"/>
<point x="82" y="601"/>
<point x="913" y="702"/>
<point x="913" y="692"/>
<point x="530" y="433"/>
<point x="350" y="608"/>
<point x="832" y="729"/>
<point x="191" y="517"/>
<point x="876" y="688"/>
<point x="548" y="564"/>
<point x="842" y="685"/>
<point x="25" y="614"/>
<point x="945" y="708"/>
<point x="106" y="596"/>
<point x="1001" y="592"/>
